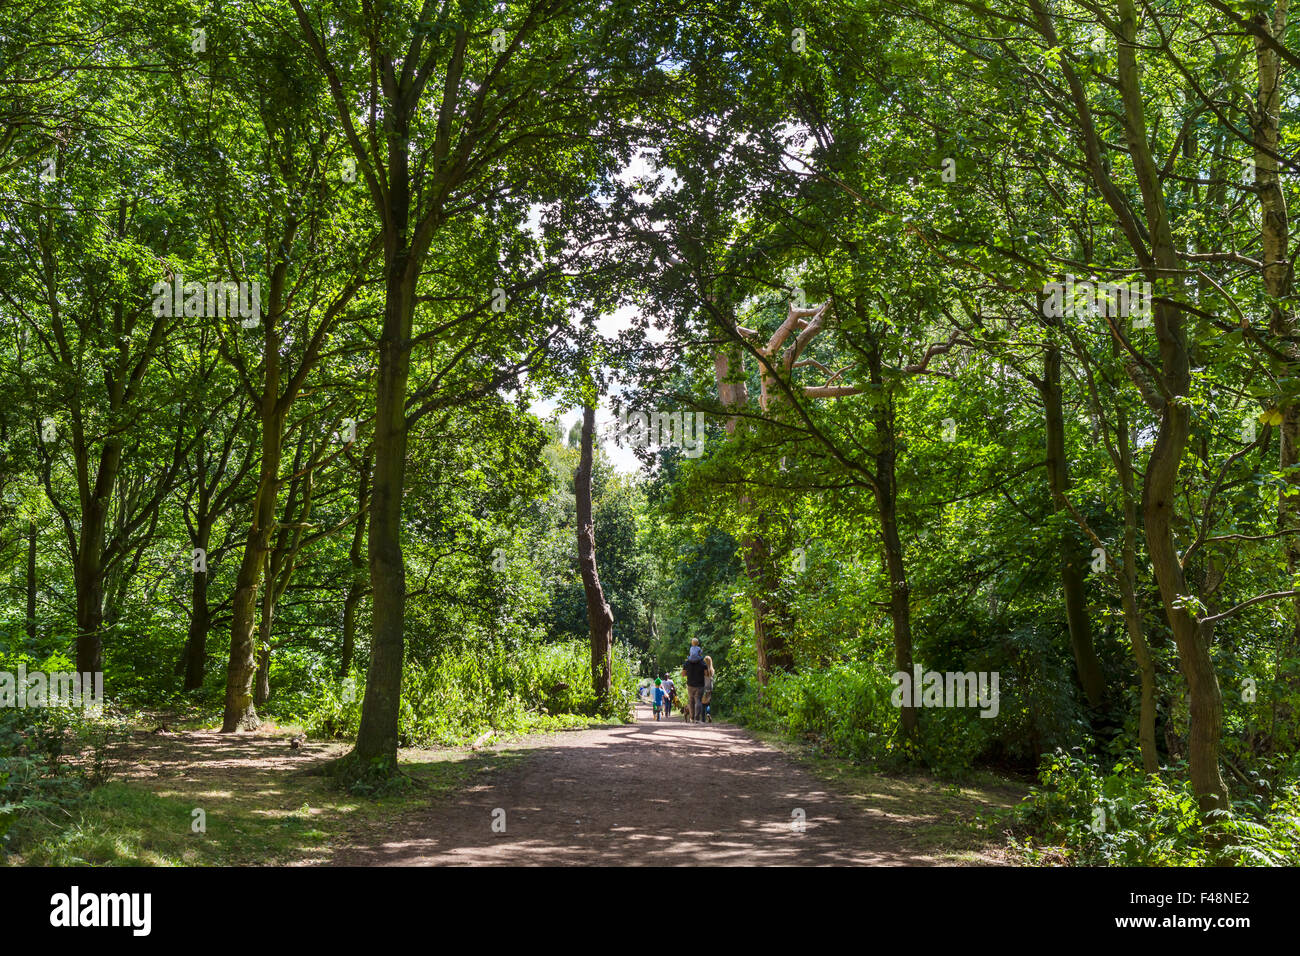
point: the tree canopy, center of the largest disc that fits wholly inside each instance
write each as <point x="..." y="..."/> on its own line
<point x="985" y="313"/>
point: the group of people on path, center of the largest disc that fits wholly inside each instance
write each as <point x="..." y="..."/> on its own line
<point x="697" y="672"/>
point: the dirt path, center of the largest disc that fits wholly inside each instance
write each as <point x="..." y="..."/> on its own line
<point x="647" y="793"/>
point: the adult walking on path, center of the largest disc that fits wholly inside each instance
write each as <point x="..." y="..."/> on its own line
<point x="695" y="669"/>
<point x="708" y="688"/>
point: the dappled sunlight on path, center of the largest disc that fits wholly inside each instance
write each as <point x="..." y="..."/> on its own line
<point x="649" y="793"/>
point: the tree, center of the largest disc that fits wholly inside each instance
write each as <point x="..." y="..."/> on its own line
<point x="599" y="617"/>
<point x="466" y="120"/>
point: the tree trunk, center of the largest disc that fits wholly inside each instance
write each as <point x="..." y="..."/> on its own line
<point x="600" y="619"/>
<point x="886" y="492"/>
<point x="1278" y="280"/>
<point x="900" y="610"/>
<point x="240" y="711"/>
<point x="1155" y="249"/>
<point x="262" y="687"/>
<point x="753" y="552"/>
<point x="89" y="580"/>
<point x="1072" y="556"/>
<point x="1205" y="706"/>
<point x="88" y="574"/>
<point x="31" y="581"/>
<point x="377" y="737"/>
<point x="262" y="684"/>
<point x="357" y="585"/>
<point x="769" y="651"/>
<point x="1159" y="490"/>
<point x="195" y="655"/>
<point x="355" y="591"/>
<point x="1128" y="596"/>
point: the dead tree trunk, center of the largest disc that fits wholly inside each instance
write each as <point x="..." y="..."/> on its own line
<point x="734" y="395"/>
<point x="777" y="362"/>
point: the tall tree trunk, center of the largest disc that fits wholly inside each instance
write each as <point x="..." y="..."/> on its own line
<point x="1072" y="556"/>
<point x="1205" y="705"/>
<point x="240" y="710"/>
<point x="31" y="581"/>
<point x="768" y="650"/>
<point x="241" y="713"/>
<point x="771" y="651"/>
<point x="350" y="603"/>
<point x="753" y="554"/>
<point x="377" y="737"/>
<point x="195" y="655"/>
<point x="262" y="683"/>
<point x="1278" y="280"/>
<point x="600" y="619"/>
<point x="886" y="492"/>
<point x="1156" y="252"/>
<point x="900" y="600"/>
<point x="88" y="575"/>
<point x="357" y="584"/>
<point x="1128" y="596"/>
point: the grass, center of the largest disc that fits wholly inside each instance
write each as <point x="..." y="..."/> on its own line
<point x="300" y="819"/>
<point x="258" y="804"/>
<point x="261" y="806"/>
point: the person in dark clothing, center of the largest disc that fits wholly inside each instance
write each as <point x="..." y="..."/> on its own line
<point x="695" y="671"/>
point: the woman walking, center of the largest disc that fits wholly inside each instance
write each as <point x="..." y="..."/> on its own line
<point x="708" y="688"/>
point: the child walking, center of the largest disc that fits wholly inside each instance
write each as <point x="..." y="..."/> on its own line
<point x="659" y="698"/>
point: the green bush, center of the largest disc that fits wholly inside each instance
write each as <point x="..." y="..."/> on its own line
<point x="844" y="707"/>
<point x="847" y="711"/>
<point x="50" y="759"/>
<point x="1270" y="837"/>
<point x="460" y="694"/>
<point x="950" y="740"/>
<point x="1128" y="818"/>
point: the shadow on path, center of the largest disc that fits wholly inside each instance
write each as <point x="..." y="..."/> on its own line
<point x="649" y="793"/>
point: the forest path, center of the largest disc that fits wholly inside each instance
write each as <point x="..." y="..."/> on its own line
<point x="652" y="793"/>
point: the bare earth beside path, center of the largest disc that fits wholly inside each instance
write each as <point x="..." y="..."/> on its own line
<point x="666" y="793"/>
